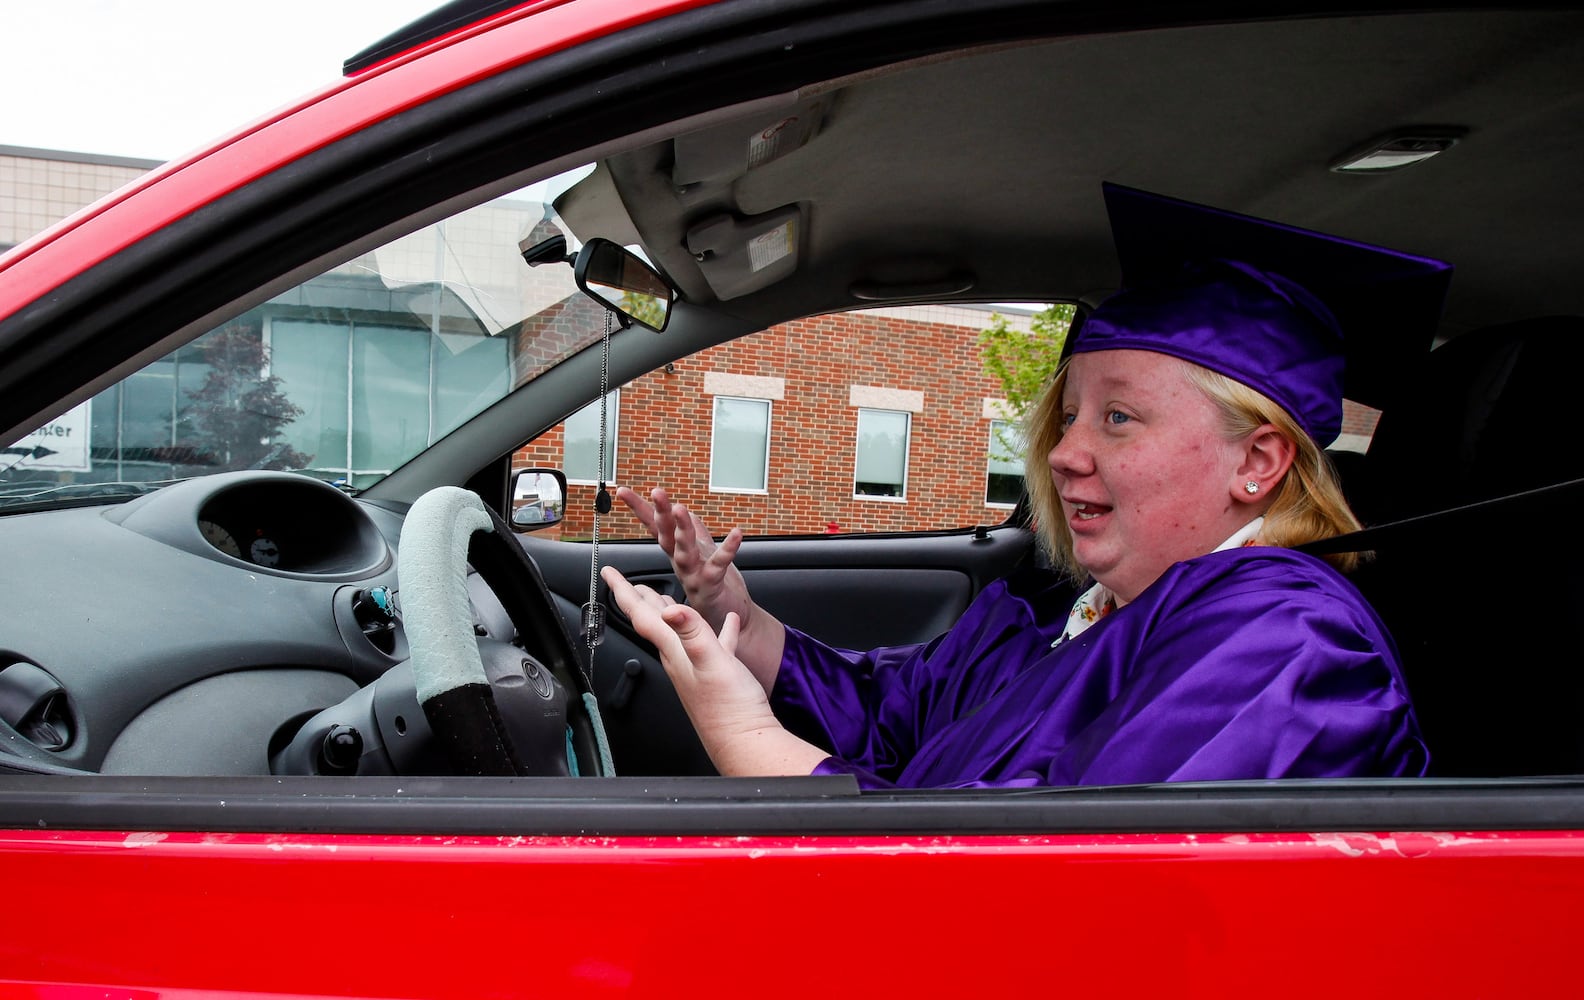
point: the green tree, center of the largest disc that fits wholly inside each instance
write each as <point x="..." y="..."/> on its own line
<point x="236" y="417"/>
<point x="645" y="308"/>
<point x="1024" y="362"/>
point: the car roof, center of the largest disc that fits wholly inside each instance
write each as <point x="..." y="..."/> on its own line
<point x="455" y="15"/>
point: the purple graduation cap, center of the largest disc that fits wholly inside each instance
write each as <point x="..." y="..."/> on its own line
<point x="1286" y="311"/>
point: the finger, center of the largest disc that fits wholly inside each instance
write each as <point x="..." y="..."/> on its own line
<point x="684" y="538"/>
<point x="701" y="537"/>
<point x="646" y="612"/>
<point x="702" y="533"/>
<point x="696" y="640"/>
<point x="644" y="598"/>
<point x="640" y="507"/>
<point x="638" y="600"/>
<point x="665" y="520"/>
<point x="628" y="597"/>
<point x="698" y="532"/>
<point x="651" y="597"/>
<point x="731" y="629"/>
<point x="660" y="501"/>
<point x="726" y="552"/>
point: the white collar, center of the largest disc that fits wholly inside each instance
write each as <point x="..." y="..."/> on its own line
<point x="1098" y="601"/>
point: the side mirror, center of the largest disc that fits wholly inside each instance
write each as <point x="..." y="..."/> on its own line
<point x="538" y="498"/>
<point x="620" y="280"/>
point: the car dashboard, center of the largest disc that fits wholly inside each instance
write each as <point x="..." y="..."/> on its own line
<point x="221" y="612"/>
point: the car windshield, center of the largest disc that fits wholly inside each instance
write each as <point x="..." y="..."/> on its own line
<point x="344" y="377"/>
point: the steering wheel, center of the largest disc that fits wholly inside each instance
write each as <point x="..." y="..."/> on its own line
<point x="495" y="708"/>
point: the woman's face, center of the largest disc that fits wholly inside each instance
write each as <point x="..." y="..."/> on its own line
<point x="1144" y="469"/>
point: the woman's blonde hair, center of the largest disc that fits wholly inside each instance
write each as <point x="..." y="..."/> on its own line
<point x="1307" y="504"/>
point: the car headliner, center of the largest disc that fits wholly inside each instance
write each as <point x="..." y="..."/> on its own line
<point x="991" y="165"/>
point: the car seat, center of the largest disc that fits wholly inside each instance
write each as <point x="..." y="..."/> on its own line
<point x="1483" y="600"/>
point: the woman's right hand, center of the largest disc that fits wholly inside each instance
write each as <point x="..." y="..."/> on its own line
<point x="710" y="578"/>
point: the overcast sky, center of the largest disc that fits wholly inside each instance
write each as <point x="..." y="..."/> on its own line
<point x="154" y="79"/>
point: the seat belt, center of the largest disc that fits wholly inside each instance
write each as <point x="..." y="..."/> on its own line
<point x="1383" y="535"/>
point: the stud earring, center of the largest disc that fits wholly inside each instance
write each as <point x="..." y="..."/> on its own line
<point x="1251" y="487"/>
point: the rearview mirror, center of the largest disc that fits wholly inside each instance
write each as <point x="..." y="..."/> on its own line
<point x="538" y="498"/>
<point x="619" y="279"/>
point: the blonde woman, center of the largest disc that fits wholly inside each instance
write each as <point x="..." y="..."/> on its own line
<point x="1174" y="462"/>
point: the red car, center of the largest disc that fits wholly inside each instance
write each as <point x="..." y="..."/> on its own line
<point x="224" y="388"/>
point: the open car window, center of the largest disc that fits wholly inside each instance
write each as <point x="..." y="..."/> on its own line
<point x="879" y="420"/>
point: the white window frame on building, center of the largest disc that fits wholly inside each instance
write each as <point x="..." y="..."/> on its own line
<point x="717" y="453"/>
<point x="1001" y="431"/>
<point x="1003" y="427"/>
<point x="591" y="413"/>
<point x="755" y="389"/>
<point x="882" y="400"/>
<point x="859" y="456"/>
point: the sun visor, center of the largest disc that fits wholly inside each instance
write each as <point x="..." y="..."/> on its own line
<point x="723" y="153"/>
<point x="741" y="255"/>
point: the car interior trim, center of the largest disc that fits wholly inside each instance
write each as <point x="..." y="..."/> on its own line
<point x="782" y="806"/>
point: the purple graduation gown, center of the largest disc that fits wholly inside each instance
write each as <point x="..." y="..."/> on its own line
<point x="1255" y="662"/>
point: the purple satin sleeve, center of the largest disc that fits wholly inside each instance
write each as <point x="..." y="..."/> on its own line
<point x="860" y="706"/>
<point x="875" y="711"/>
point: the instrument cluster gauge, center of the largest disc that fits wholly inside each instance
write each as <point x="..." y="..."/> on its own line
<point x="264" y="551"/>
<point x="220" y="538"/>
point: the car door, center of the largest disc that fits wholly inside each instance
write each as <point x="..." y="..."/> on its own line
<point x="879" y="497"/>
<point x="853" y="592"/>
<point x="441" y="886"/>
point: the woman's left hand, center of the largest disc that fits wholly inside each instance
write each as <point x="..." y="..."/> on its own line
<point x="727" y="705"/>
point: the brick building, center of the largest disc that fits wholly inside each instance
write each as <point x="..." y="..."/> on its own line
<point x="910" y="376"/>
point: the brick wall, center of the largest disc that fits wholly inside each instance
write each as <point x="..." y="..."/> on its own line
<point x="666" y="420"/>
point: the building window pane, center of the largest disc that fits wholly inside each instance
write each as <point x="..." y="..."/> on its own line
<point x="147" y="420"/>
<point x="471" y="373"/>
<point x="311" y="361"/>
<point x="580" y="452"/>
<point x="740" y="446"/>
<point x="106" y="415"/>
<point x="1004" y="471"/>
<point x="390" y="408"/>
<point x="374" y="395"/>
<point x="882" y="453"/>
